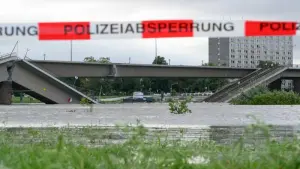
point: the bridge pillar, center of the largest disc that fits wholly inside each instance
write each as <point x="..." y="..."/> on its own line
<point x="276" y="85"/>
<point x="296" y="82"/>
<point x="6" y="92"/>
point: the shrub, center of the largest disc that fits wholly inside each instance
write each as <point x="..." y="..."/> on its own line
<point x="180" y="106"/>
<point x="262" y="96"/>
<point x="276" y="97"/>
<point x="245" y="98"/>
<point x="85" y="102"/>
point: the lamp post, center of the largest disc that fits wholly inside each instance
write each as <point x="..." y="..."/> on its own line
<point x="75" y="81"/>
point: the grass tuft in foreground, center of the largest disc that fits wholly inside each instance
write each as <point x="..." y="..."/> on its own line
<point x="139" y="152"/>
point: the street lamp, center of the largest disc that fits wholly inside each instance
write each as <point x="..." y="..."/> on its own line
<point x="75" y="81"/>
<point x="26" y="53"/>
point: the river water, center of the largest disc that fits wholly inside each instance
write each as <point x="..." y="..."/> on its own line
<point x="149" y="114"/>
<point x="226" y="119"/>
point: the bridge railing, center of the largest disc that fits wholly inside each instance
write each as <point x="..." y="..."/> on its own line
<point x="2" y="56"/>
<point x="296" y="66"/>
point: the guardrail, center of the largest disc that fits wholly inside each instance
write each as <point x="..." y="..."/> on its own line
<point x="6" y="55"/>
<point x="295" y="66"/>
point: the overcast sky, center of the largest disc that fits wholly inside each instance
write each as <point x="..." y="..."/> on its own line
<point x="187" y="51"/>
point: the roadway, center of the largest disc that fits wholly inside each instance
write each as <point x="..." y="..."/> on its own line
<point x="83" y="69"/>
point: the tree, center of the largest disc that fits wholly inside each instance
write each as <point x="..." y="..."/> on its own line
<point x="267" y="64"/>
<point x="96" y="86"/>
<point x="160" y="84"/>
<point x="104" y="60"/>
<point x="158" y="60"/>
<point x="90" y="59"/>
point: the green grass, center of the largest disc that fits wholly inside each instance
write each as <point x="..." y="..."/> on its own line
<point x="112" y="102"/>
<point x="25" y="100"/>
<point x="261" y="95"/>
<point x="56" y="149"/>
<point x="109" y="97"/>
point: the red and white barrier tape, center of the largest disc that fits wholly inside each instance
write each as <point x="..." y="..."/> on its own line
<point x="147" y="29"/>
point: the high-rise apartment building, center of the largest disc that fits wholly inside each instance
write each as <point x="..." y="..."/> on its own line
<point x="246" y="52"/>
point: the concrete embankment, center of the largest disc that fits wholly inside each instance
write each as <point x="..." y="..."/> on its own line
<point x="111" y="134"/>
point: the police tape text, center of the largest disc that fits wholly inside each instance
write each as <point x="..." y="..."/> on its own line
<point x="125" y="28"/>
<point x="18" y="31"/>
<point x="279" y="26"/>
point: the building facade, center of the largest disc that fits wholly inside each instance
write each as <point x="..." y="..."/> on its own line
<point x="246" y="52"/>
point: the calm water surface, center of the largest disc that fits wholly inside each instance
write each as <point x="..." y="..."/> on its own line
<point x="149" y="114"/>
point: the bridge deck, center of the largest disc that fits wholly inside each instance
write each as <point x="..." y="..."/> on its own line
<point x="82" y="69"/>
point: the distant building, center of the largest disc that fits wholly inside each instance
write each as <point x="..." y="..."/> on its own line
<point x="246" y="52"/>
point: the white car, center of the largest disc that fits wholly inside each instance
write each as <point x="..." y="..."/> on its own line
<point x="138" y="95"/>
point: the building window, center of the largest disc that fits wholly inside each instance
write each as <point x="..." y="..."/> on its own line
<point x="232" y="56"/>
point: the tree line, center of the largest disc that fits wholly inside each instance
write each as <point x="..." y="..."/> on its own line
<point x="126" y="86"/>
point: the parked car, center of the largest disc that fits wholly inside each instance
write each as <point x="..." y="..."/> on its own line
<point x="138" y="96"/>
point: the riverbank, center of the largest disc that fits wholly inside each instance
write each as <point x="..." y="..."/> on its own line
<point x="261" y="95"/>
<point x="57" y="149"/>
<point x="25" y="100"/>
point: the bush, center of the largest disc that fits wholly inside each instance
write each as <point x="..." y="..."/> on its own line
<point x="85" y="102"/>
<point x="276" y="98"/>
<point x="173" y="93"/>
<point x="262" y="96"/>
<point x="247" y="97"/>
<point x="180" y="106"/>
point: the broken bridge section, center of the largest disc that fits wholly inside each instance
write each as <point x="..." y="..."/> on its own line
<point x="6" y="89"/>
<point x="44" y="86"/>
<point x="36" y="82"/>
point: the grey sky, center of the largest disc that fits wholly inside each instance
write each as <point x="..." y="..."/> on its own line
<point x="188" y="51"/>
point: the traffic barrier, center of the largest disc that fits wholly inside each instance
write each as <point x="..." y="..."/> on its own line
<point x="147" y="29"/>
